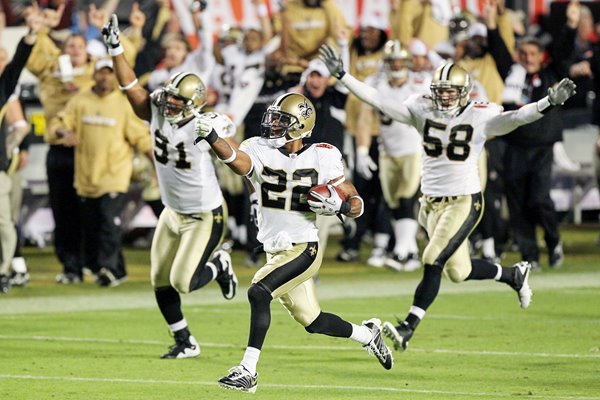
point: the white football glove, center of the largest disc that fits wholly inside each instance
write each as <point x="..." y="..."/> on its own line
<point x="563" y="91"/>
<point x="364" y="163"/>
<point x="202" y="128"/>
<point x="110" y="33"/>
<point x="332" y="60"/>
<point x="208" y="122"/>
<point x="326" y="205"/>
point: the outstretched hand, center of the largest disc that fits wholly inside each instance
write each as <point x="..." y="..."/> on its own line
<point x="110" y="32"/>
<point x="562" y="92"/>
<point x="332" y="60"/>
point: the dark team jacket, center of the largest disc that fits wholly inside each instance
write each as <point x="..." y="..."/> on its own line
<point x="8" y="84"/>
<point x="545" y="131"/>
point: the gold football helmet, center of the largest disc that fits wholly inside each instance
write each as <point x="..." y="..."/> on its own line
<point x="396" y="60"/>
<point x="290" y="117"/>
<point x="450" y="87"/>
<point x="184" y="93"/>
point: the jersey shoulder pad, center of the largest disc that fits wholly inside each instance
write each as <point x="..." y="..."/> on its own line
<point x="250" y="142"/>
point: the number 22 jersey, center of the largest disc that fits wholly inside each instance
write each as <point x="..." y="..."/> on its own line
<point x="282" y="182"/>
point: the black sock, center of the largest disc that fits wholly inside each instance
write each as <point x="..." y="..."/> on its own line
<point x="169" y="304"/>
<point x="330" y="325"/>
<point x="202" y="276"/>
<point x="482" y="269"/>
<point x="429" y="286"/>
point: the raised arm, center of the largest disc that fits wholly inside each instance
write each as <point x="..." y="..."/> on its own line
<point x="510" y="120"/>
<point x="136" y="94"/>
<point x="237" y="160"/>
<point x="397" y="111"/>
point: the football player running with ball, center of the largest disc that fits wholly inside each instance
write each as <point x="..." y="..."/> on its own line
<point x="453" y="131"/>
<point x="192" y="224"/>
<point x="283" y="169"/>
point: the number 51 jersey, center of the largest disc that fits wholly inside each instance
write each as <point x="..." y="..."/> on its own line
<point x="282" y="182"/>
<point x="452" y="144"/>
<point x="186" y="174"/>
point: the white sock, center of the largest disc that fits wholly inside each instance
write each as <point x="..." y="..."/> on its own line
<point x="177" y="326"/>
<point x="499" y="273"/>
<point x="250" y="359"/>
<point x="213" y="267"/>
<point x="18" y="265"/>
<point x="381" y="240"/>
<point x="419" y="312"/>
<point x="488" y="248"/>
<point x="361" y="334"/>
<point x="405" y="230"/>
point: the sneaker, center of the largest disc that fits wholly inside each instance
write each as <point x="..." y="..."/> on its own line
<point x="68" y="278"/>
<point x="556" y="257"/>
<point x="106" y="278"/>
<point x="521" y="282"/>
<point x="377" y="258"/>
<point x="4" y="284"/>
<point x="183" y="348"/>
<point x="399" y="334"/>
<point x="239" y="378"/>
<point x="20" y="279"/>
<point x="347" y="255"/>
<point x="395" y="262"/>
<point x="226" y="277"/>
<point x="376" y="346"/>
<point x="412" y="262"/>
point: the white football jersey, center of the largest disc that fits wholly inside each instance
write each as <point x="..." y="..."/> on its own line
<point x="399" y="139"/>
<point x="282" y="182"/>
<point x="186" y="175"/>
<point x="451" y="144"/>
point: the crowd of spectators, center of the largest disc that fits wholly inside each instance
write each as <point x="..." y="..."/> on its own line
<point x="246" y="67"/>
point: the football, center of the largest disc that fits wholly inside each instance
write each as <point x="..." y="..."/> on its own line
<point x="323" y="191"/>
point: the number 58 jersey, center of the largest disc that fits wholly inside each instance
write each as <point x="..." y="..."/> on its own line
<point x="282" y="182"/>
<point x="186" y="174"/>
<point x="452" y="144"/>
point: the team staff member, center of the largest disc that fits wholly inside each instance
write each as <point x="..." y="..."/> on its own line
<point x="100" y="124"/>
<point x="8" y="83"/>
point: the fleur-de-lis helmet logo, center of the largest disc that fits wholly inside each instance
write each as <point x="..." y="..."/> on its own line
<point x="305" y="110"/>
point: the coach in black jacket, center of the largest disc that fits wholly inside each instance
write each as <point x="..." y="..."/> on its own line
<point x="8" y="83"/>
<point x="528" y="158"/>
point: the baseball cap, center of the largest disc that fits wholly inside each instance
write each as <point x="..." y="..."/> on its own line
<point x="318" y="66"/>
<point x="104" y="63"/>
<point x="477" y="29"/>
<point x="374" y="21"/>
<point x="418" y="48"/>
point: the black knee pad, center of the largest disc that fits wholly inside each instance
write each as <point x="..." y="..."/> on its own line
<point x="257" y="294"/>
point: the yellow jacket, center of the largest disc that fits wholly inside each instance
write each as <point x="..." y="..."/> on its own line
<point x="107" y="129"/>
<point x="43" y="63"/>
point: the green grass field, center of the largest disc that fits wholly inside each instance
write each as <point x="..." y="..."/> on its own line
<point x="84" y="342"/>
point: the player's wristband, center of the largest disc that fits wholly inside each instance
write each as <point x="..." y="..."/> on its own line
<point x="231" y="158"/>
<point x="129" y="85"/>
<point x="210" y="138"/>
<point x="115" y="51"/>
<point x="544" y="105"/>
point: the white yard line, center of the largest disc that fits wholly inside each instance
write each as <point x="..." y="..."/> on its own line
<point x="392" y="285"/>
<point x="291" y="386"/>
<point x="298" y="348"/>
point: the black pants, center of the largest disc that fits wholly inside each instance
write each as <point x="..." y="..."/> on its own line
<point x="527" y="181"/>
<point x="102" y="233"/>
<point x="64" y="202"/>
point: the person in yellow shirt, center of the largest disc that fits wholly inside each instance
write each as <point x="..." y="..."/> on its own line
<point x="101" y="126"/>
<point x="63" y="72"/>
